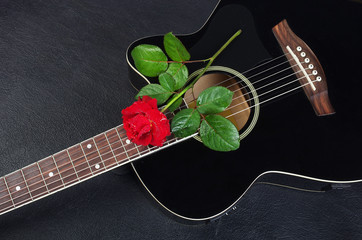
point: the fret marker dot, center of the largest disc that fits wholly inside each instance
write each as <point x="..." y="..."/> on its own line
<point x="128" y="141"/>
<point x="17" y="188"/>
<point x="51" y="174"/>
<point x="89" y="146"/>
<point x="97" y="166"/>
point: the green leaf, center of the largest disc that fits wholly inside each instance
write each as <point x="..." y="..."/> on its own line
<point x="214" y="100"/>
<point x="175" y="49"/>
<point x="149" y="60"/>
<point x="185" y="122"/>
<point x="219" y="134"/>
<point x="180" y="74"/>
<point x="175" y="105"/>
<point x="167" y="81"/>
<point x="155" y="91"/>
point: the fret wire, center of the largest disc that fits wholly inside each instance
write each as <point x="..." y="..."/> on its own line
<point x="31" y="196"/>
<point x="95" y="144"/>
<point x="73" y="182"/>
<point x="120" y="139"/>
<point x="146" y="154"/>
<point x="4" y="208"/>
<point x="69" y="147"/>
<point x="71" y="161"/>
<point x="63" y="165"/>
<point x="56" y="165"/>
<point x="59" y="172"/>
<point x="12" y="200"/>
<point x="265" y="63"/>
<point x="87" y="161"/>
<point x="41" y="173"/>
<point x="24" y="202"/>
<point x="73" y="164"/>
<point x="83" y="150"/>
<point x="115" y="159"/>
<point x="108" y="141"/>
<point x="86" y="157"/>
<point x="126" y="152"/>
<point x="43" y="176"/>
<point x="139" y="154"/>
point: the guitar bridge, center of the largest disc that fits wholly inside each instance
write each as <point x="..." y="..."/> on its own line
<point x="307" y="68"/>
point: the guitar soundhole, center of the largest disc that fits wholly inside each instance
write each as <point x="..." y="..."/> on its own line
<point x="239" y="110"/>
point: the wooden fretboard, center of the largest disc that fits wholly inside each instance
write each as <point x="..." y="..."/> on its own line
<point x="73" y="165"/>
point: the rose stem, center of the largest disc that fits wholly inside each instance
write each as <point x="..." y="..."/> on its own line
<point x="211" y="60"/>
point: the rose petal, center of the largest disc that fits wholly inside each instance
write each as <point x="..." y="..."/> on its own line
<point x="144" y="123"/>
<point x="160" y="127"/>
<point x="152" y="102"/>
<point x="138" y="130"/>
<point x="135" y="109"/>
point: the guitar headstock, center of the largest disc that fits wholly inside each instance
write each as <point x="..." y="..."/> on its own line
<point x="306" y="66"/>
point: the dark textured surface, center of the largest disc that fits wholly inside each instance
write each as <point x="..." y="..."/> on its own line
<point x="63" y="79"/>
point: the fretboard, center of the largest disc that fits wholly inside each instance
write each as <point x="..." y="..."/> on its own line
<point x="71" y="166"/>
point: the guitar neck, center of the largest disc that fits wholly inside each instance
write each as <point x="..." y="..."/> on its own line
<point x="71" y="166"/>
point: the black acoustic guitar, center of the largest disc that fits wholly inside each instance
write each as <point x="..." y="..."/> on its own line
<point x="283" y="143"/>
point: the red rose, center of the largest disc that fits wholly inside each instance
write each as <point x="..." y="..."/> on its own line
<point x="144" y="123"/>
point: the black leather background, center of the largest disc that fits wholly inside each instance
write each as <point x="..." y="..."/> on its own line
<point x="63" y="78"/>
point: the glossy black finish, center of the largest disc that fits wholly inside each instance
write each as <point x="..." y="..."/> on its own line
<point x="64" y="79"/>
<point x="288" y="136"/>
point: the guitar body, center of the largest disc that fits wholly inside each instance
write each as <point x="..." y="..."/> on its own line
<point x="64" y="80"/>
<point x="289" y="145"/>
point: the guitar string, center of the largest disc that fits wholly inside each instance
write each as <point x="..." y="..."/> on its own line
<point x="87" y="176"/>
<point x="68" y="163"/>
<point x="105" y="138"/>
<point x="149" y="149"/>
<point x="278" y="80"/>
<point x="139" y="153"/>
<point x="266" y="70"/>
<point x="247" y="93"/>
<point x="253" y="76"/>
<point x="259" y="95"/>
<point x="264" y="78"/>
<point x="109" y="138"/>
<point x="254" y="68"/>
<point x="256" y="73"/>
<point x="276" y="96"/>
